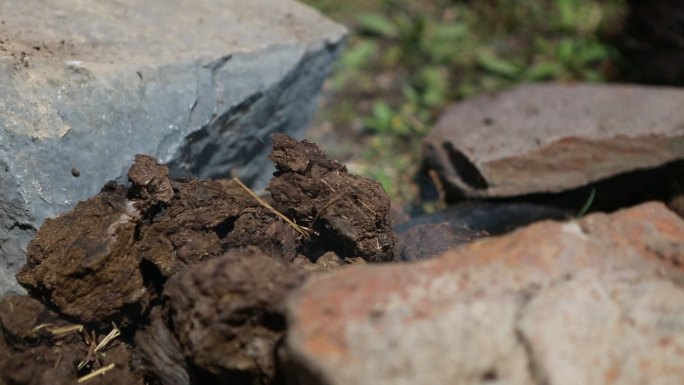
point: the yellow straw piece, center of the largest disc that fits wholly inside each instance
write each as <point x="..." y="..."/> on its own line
<point x="304" y="231"/>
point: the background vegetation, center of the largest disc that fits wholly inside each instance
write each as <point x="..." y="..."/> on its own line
<point x="407" y="60"/>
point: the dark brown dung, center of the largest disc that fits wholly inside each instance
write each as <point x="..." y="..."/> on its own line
<point x="193" y="273"/>
<point x="347" y="211"/>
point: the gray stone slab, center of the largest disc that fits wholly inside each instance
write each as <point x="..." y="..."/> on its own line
<point x="200" y="85"/>
<point x="555" y="137"/>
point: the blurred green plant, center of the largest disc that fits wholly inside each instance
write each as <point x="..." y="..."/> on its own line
<point x="407" y="60"/>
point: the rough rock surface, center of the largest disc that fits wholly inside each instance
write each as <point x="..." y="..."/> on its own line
<point x="199" y="85"/>
<point x="550" y="138"/>
<point x="598" y="300"/>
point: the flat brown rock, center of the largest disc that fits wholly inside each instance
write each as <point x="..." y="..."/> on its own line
<point x="594" y="301"/>
<point x="551" y="138"/>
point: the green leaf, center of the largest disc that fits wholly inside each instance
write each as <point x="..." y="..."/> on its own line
<point x="399" y="127"/>
<point x="592" y="52"/>
<point x="544" y="70"/>
<point x="566" y="51"/>
<point x="568" y="10"/>
<point x="451" y="31"/>
<point x="359" y="54"/>
<point x="587" y="205"/>
<point x="384" y="179"/>
<point x="444" y="42"/>
<point x="544" y="46"/>
<point x="382" y="115"/>
<point x="411" y="94"/>
<point x="377" y="25"/>
<point x="433" y="81"/>
<point x="497" y="65"/>
<point x="592" y="76"/>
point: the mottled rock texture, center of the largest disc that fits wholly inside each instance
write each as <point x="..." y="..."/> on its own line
<point x="598" y="300"/>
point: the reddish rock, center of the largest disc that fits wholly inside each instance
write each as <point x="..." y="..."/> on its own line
<point x="551" y="138"/>
<point x="598" y="300"/>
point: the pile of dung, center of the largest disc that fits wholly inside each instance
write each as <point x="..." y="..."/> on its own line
<point x="182" y="281"/>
